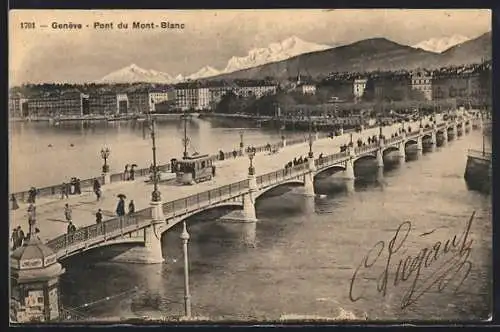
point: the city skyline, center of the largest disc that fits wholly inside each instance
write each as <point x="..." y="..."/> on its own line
<point x="210" y="38"/>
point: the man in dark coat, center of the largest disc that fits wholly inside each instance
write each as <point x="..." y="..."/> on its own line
<point x="120" y="208"/>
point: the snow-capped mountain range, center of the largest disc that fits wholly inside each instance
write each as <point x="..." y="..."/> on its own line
<point x="274" y="52"/>
<point x="283" y="50"/>
<point x="438" y="45"/>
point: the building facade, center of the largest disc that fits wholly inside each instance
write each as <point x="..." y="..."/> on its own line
<point x="359" y="87"/>
<point x="103" y="103"/>
<point x="421" y="81"/>
<point x="68" y="104"/>
<point x="18" y="106"/>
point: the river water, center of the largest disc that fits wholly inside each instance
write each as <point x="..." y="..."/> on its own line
<point x="299" y="258"/>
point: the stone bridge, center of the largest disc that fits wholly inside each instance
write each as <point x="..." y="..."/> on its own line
<point x="146" y="226"/>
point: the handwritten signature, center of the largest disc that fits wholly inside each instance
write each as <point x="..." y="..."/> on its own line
<point x="450" y="261"/>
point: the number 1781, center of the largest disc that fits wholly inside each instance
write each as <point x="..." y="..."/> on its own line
<point x="27" y="25"/>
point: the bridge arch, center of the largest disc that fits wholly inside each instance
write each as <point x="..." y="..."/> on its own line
<point x="364" y="157"/>
<point x="331" y="169"/>
<point x="411" y="141"/>
<point x="390" y="149"/>
<point x="427" y="137"/>
<point x="170" y="223"/>
<point x="292" y="182"/>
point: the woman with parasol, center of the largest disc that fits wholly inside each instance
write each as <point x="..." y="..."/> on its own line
<point x="126" y="173"/>
<point x="120" y="208"/>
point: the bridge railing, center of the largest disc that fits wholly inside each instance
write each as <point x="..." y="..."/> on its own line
<point x="280" y="175"/>
<point x="87" y="233"/>
<point x="330" y="159"/>
<point x="485" y="155"/>
<point x="392" y="140"/>
<point x="366" y="148"/>
<point x="203" y="199"/>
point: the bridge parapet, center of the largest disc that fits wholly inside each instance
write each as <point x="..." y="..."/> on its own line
<point x="366" y="148"/>
<point x="281" y="175"/>
<point x="203" y="199"/>
<point x="64" y="244"/>
<point x="393" y="140"/>
<point x="332" y="159"/>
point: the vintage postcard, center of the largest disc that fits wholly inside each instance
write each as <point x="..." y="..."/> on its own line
<point x="272" y="166"/>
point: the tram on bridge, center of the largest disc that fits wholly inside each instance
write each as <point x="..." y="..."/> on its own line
<point x="193" y="169"/>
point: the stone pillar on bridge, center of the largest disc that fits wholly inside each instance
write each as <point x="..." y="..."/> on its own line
<point x="309" y="178"/>
<point x="419" y="140"/>
<point x="349" y="165"/>
<point x="380" y="158"/>
<point x="249" y="199"/>
<point x="152" y="244"/>
<point x="152" y="237"/>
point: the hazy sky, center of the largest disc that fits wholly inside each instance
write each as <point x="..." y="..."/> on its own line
<point x="210" y="37"/>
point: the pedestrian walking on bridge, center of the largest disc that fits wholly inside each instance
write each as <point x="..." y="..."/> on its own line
<point x="131" y="207"/>
<point x="67" y="213"/>
<point x="64" y="190"/>
<point x="71" y="231"/>
<point x="98" y="216"/>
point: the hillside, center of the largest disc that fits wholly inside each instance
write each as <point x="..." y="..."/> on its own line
<point x="368" y="55"/>
<point x="471" y="51"/>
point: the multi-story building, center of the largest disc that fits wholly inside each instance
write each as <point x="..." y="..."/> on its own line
<point x="394" y="87"/>
<point x="71" y="103"/>
<point x="421" y="80"/>
<point x="18" y="105"/>
<point x="258" y="89"/>
<point x="104" y="103"/>
<point x="359" y="87"/>
<point x="157" y="96"/>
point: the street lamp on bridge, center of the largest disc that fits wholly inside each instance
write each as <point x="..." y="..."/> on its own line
<point x="155" y="195"/>
<point x="187" y="296"/>
<point x="241" y="139"/>
<point x="311" y="154"/>
<point x="105" y="152"/>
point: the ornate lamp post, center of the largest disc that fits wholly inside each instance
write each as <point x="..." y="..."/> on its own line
<point x="241" y="139"/>
<point x="105" y="152"/>
<point x="350" y="142"/>
<point x="187" y="295"/>
<point x="155" y="195"/>
<point x="380" y="129"/>
<point x="251" y="169"/>
<point x="310" y="154"/>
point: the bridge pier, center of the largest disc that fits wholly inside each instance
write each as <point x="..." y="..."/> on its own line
<point x="309" y="178"/>
<point x="349" y="165"/>
<point x="445" y="136"/>
<point x="402" y="152"/>
<point x="380" y="158"/>
<point x="249" y="214"/>
<point x="419" y="140"/>
<point x="152" y="245"/>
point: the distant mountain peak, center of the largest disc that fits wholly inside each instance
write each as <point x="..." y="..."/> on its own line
<point x="438" y="45"/>
<point x="284" y="49"/>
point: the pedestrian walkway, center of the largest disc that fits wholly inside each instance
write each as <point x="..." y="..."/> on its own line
<point x="50" y="210"/>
